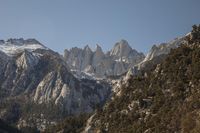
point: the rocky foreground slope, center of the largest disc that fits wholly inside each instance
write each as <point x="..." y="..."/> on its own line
<point x="164" y="98"/>
<point x="113" y="121"/>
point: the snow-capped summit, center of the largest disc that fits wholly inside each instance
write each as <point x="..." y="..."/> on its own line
<point x="14" y="46"/>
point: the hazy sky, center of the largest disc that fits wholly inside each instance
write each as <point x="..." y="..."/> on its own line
<point x="61" y="24"/>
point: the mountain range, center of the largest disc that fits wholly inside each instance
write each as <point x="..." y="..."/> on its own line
<point x="39" y="76"/>
<point x="39" y="88"/>
<point x="99" y="64"/>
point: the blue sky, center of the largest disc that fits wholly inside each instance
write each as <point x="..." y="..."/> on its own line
<point x="61" y="24"/>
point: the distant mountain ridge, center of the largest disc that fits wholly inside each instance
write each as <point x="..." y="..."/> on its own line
<point x="12" y="47"/>
<point x="156" y="54"/>
<point x="99" y="64"/>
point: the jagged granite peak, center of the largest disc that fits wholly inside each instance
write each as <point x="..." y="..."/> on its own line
<point x="13" y="47"/>
<point x="121" y="48"/>
<point x="98" y="55"/>
<point x="115" y="62"/>
<point x="122" y="52"/>
<point x="66" y="53"/>
<point x="86" y="57"/>
<point x="98" y="48"/>
<point x="99" y="52"/>
<point x="87" y="48"/>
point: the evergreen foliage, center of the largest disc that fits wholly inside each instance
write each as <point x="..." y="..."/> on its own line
<point x="5" y="128"/>
<point x="163" y="101"/>
<point x="71" y="124"/>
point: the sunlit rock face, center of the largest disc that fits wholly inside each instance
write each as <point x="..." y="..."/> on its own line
<point x="30" y="69"/>
<point x="115" y="62"/>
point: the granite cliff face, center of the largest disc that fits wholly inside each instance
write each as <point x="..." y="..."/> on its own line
<point x="32" y="72"/>
<point x="98" y="64"/>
